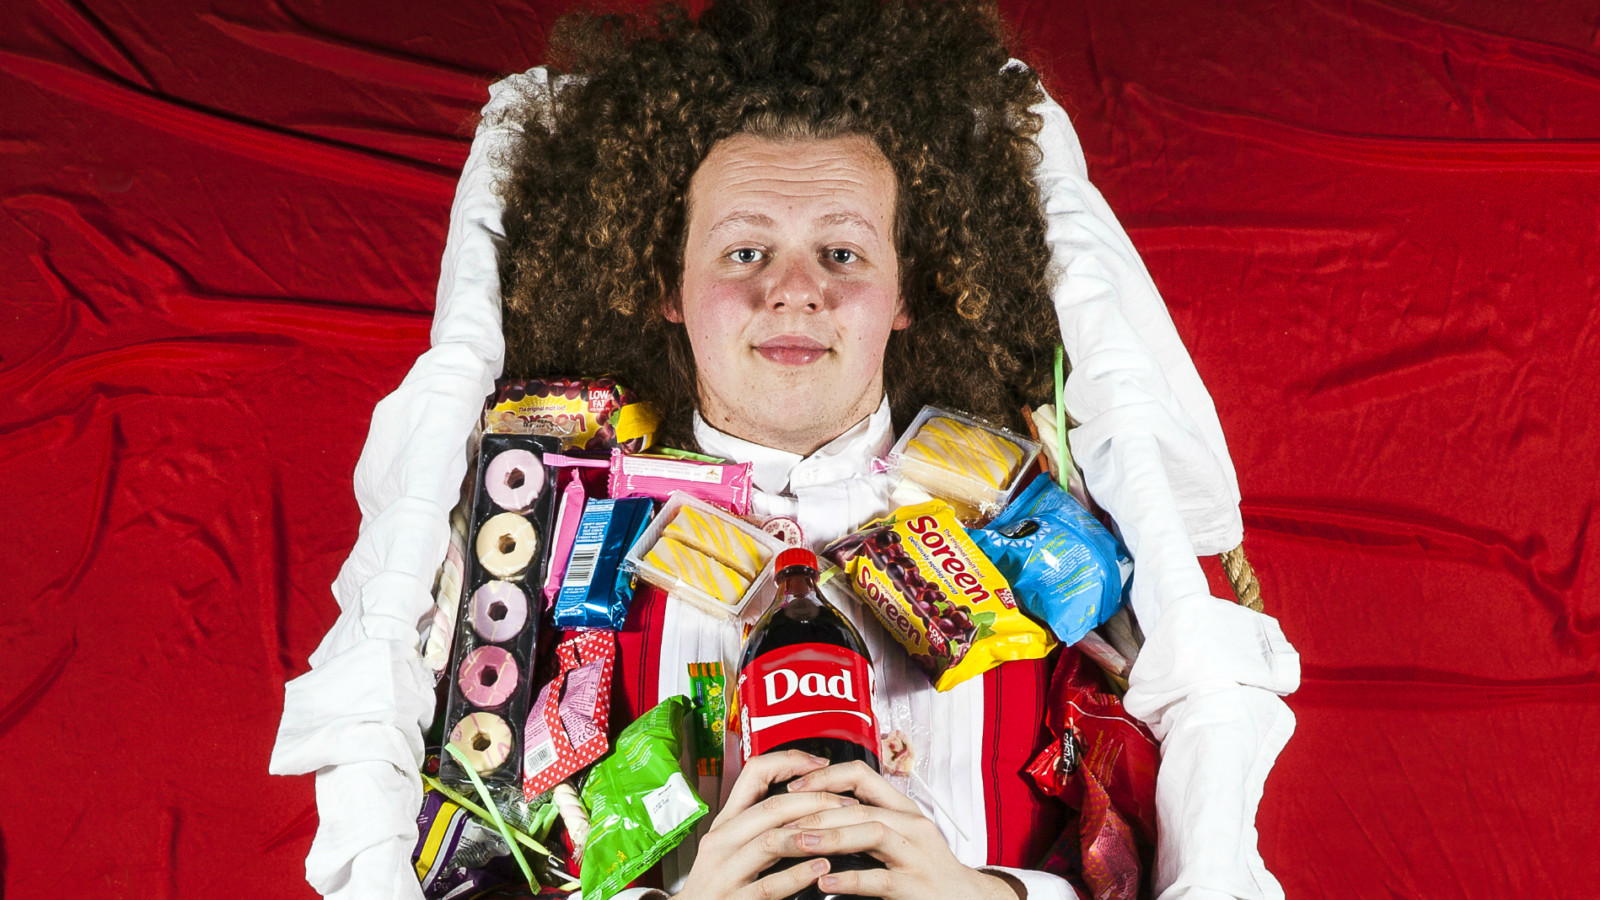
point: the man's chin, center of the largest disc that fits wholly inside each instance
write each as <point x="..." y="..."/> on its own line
<point x="802" y="409"/>
<point x="798" y="424"/>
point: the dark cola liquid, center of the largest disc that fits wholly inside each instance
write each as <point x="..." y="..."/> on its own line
<point x="800" y="615"/>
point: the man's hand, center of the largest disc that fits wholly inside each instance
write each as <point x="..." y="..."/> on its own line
<point x="887" y="825"/>
<point x="752" y="833"/>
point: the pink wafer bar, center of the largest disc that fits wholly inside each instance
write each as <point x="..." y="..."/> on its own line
<point x="723" y="484"/>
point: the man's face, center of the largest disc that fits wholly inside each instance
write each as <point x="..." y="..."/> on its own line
<point x="790" y="286"/>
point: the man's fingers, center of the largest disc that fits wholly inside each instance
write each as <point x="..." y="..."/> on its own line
<point x="913" y="826"/>
<point x="859" y="779"/>
<point x="760" y="773"/>
<point x="871" y="837"/>
<point x="786" y="883"/>
<point x="863" y="883"/>
<point x="772" y="813"/>
<point x="742" y="860"/>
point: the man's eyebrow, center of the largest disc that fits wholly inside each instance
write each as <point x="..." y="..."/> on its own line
<point x="762" y="220"/>
<point x="849" y="219"/>
<point x="739" y="217"/>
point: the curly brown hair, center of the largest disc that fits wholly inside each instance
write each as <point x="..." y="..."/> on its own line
<point x="595" y="196"/>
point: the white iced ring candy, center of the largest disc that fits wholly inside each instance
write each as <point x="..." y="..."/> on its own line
<point x="506" y="544"/>
<point x="484" y="740"/>
<point x="514" y="480"/>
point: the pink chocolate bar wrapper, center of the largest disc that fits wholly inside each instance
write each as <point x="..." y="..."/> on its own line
<point x="726" y="485"/>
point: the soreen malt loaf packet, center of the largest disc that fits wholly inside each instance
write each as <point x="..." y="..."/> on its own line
<point x="936" y="592"/>
<point x="585" y="413"/>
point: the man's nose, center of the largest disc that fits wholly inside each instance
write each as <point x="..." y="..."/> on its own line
<point x="798" y="287"/>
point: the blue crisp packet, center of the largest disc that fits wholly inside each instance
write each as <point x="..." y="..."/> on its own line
<point x="1064" y="566"/>
<point x="596" y="590"/>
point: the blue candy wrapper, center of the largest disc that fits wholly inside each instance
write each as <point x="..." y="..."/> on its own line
<point x="596" y="591"/>
<point x="1064" y="566"/>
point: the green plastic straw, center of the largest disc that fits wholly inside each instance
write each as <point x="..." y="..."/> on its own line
<point x="494" y="814"/>
<point x="1061" y="418"/>
<point x="466" y="803"/>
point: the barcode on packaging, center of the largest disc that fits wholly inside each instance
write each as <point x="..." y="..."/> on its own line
<point x="580" y="569"/>
<point x="539" y="757"/>
<point x="586" y="545"/>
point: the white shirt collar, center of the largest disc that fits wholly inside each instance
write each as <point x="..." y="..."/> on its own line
<point x="781" y="472"/>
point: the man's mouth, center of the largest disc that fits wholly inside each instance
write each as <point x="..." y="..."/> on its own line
<point x="791" y="350"/>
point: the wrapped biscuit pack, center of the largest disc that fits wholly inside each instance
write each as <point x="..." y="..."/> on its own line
<point x="596" y="589"/>
<point x="971" y="465"/>
<point x="497" y="625"/>
<point x="934" y="590"/>
<point x="721" y="484"/>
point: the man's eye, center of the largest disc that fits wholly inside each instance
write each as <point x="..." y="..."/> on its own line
<point x="746" y="255"/>
<point x="842" y="256"/>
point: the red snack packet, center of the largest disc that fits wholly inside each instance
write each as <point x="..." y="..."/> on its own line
<point x="1098" y="850"/>
<point x="1117" y="749"/>
<point x="566" y="727"/>
<point x="1102" y="762"/>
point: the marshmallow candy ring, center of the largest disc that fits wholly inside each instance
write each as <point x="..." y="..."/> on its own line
<point x="488" y="676"/>
<point x="506" y="544"/>
<point x="484" y="740"/>
<point x="499" y="610"/>
<point x="514" y="479"/>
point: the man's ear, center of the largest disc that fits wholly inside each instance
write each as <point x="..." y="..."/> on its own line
<point x="902" y="316"/>
<point x="672" y="309"/>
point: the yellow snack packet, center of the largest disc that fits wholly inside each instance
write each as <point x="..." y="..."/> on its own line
<point x="935" y="591"/>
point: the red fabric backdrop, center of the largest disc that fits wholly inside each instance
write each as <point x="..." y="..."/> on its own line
<point x="1375" y="223"/>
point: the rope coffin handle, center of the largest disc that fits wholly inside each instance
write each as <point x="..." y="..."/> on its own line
<point x="1246" y="587"/>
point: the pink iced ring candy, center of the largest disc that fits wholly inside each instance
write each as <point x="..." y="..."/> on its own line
<point x="514" y="480"/>
<point x="484" y="739"/>
<point x="488" y="676"/>
<point x="499" y="610"/>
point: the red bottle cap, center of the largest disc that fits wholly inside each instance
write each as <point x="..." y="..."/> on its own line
<point x="796" y="556"/>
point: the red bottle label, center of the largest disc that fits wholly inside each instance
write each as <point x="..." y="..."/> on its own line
<point x="806" y="691"/>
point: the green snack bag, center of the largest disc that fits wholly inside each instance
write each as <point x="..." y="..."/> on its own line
<point x="640" y="805"/>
